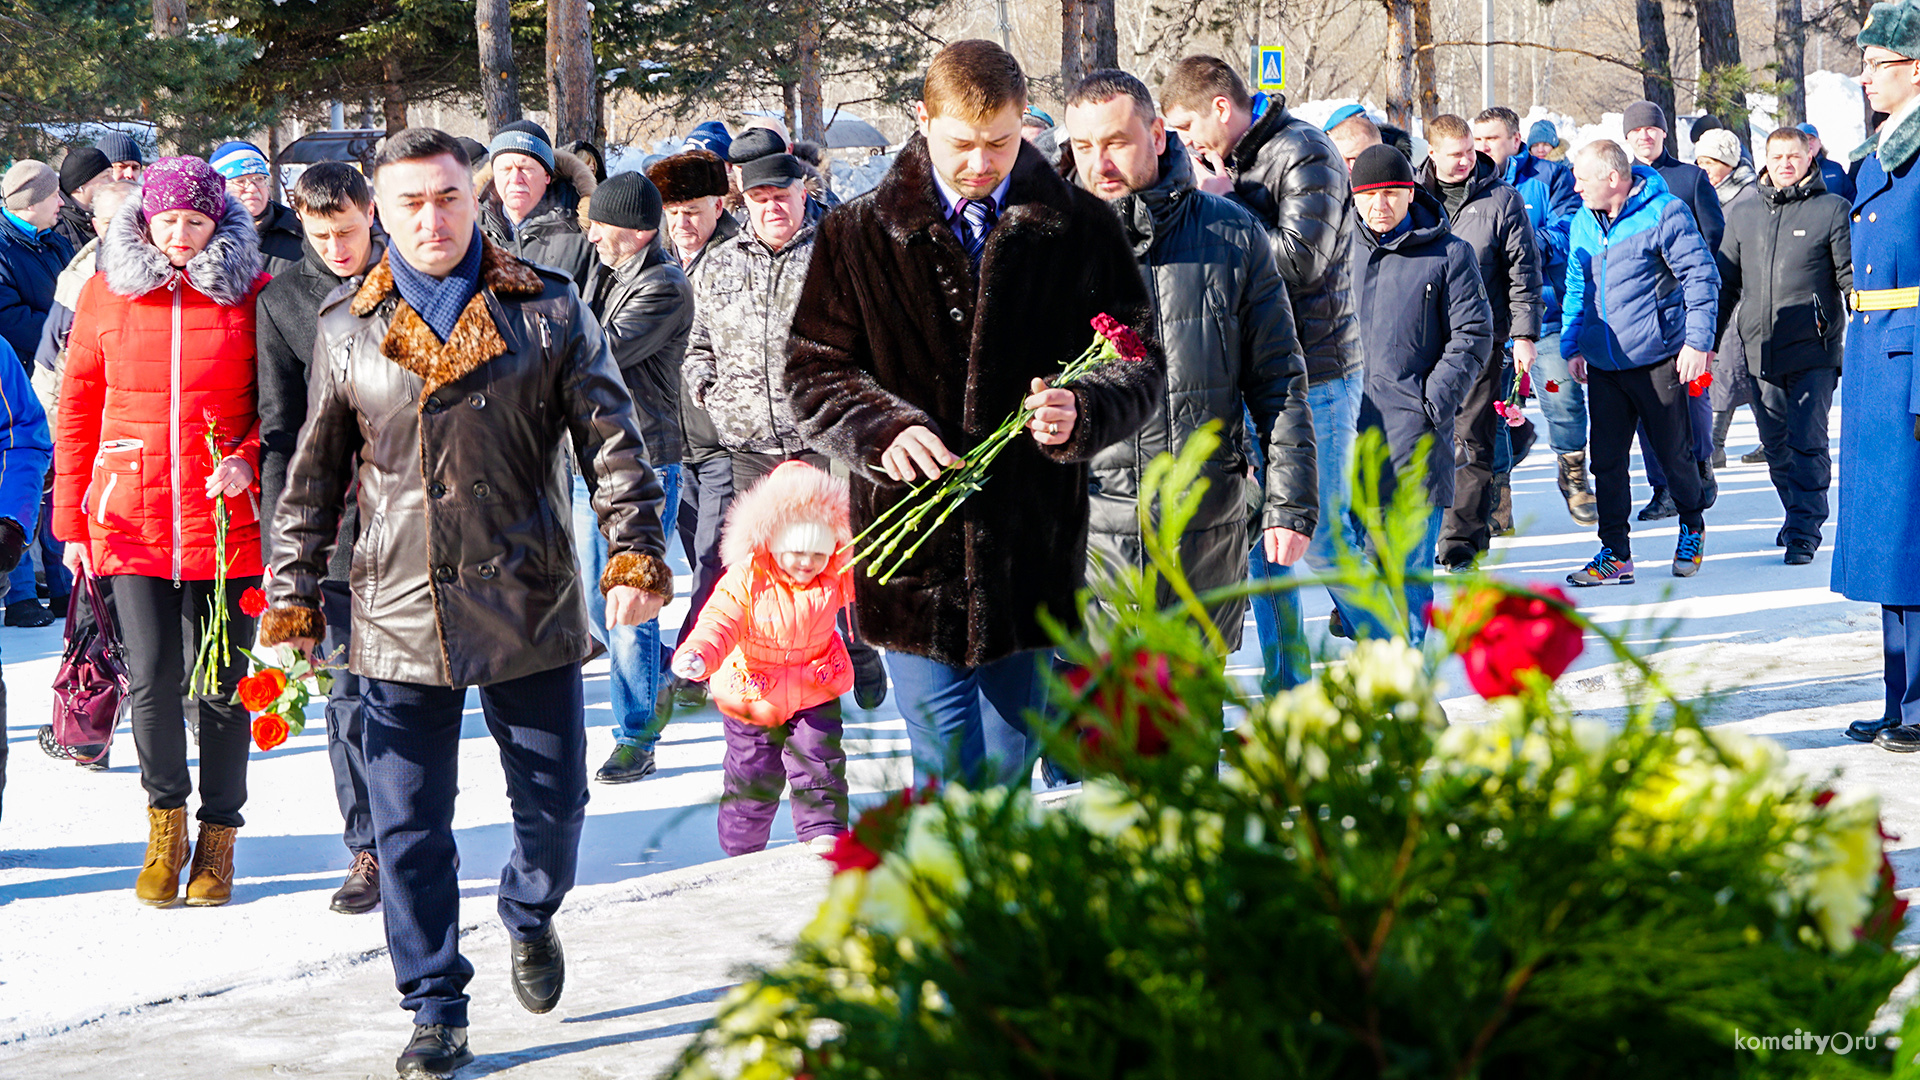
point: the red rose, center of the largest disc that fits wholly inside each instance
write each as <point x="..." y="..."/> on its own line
<point x="1140" y="698"/>
<point x="1125" y="341"/>
<point x="253" y="603"/>
<point x="1699" y="385"/>
<point x="850" y="854"/>
<point x="269" y="730"/>
<point x="261" y="689"/>
<point x="1513" y="632"/>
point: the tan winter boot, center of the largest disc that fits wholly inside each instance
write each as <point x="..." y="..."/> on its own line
<point x="211" y="882"/>
<point x="159" y="882"/>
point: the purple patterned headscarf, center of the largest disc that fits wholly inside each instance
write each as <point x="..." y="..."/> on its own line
<point x="182" y="183"/>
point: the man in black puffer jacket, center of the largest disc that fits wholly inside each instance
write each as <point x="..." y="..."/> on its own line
<point x="1227" y="329"/>
<point x="1787" y="260"/>
<point x="1427" y="334"/>
<point x="1490" y="215"/>
<point x="1290" y="174"/>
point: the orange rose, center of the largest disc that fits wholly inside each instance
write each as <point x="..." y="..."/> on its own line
<point x="270" y="730"/>
<point x="261" y="689"/>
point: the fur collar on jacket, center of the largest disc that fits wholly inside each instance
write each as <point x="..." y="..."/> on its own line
<point x="224" y="272"/>
<point x="909" y="202"/>
<point x="475" y="339"/>
<point x="567" y="170"/>
<point x="795" y="493"/>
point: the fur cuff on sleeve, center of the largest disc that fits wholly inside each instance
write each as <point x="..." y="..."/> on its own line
<point x="289" y="621"/>
<point x="648" y="573"/>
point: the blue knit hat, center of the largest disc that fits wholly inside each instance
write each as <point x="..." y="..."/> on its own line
<point x="712" y="137"/>
<point x="231" y="159"/>
<point x="522" y="142"/>
<point x="1543" y="131"/>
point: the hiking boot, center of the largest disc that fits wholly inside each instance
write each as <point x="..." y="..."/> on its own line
<point x="1502" y="521"/>
<point x="869" y="678"/>
<point x="435" y="1051"/>
<point x="1689" y="551"/>
<point x="29" y="614"/>
<point x="1755" y="456"/>
<point x="360" y="893"/>
<point x="1709" y="487"/>
<point x="1660" y="506"/>
<point x="211" y="882"/>
<point x="1573" y="488"/>
<point x="539" y="971"/>
<point x="159" y="881"/>
<point x="1603" y="569"/>
<point x="625" y="765"/>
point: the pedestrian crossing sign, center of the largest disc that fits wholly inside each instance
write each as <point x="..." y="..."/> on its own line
<point x="1272" y="69"/>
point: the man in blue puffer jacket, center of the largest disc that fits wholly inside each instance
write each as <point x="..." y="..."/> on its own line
<point x="1638" y="325"/>
<point x="25" y="452"/>
<point x="1547" y="189"/>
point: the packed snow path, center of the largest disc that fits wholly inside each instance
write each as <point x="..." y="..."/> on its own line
<point x="276" y="985"/>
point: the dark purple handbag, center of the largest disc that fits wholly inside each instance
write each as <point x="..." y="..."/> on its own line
<point x="92" y="680"/>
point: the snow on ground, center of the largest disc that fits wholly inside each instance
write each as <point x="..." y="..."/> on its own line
<point x="277" y="985"/>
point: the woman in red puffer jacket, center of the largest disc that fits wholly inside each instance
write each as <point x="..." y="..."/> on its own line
<point x="162" y="351"/>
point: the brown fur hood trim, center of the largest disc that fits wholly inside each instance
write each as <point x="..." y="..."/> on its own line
<point x="475" y="339"/>
<point x="648" y="573"/>
<point x="289" y="621"/>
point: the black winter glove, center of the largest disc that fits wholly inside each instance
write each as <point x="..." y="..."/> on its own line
<point x="13" y="544"/>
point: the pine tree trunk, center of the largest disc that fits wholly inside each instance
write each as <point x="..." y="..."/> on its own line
<point x="1719" y="50"/>
<point x="1099" y="36"/>
<point x="1400" y="92"/>
<point x="813" y="121"/>
<point x="1656" y="58"/>
<point x="1071" y="69"/>
<point x="500" y="86"/>
<point x="1790" y="52"/>
<point x="790" y="103"/>
<point x="1423" y="75"/>
<point x="169" y="18"/>
<point x="570" y="71"/>
<point x="395" y="96"/>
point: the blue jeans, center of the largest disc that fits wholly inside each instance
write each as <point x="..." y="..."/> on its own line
<point x="969" y="724"/>
<point x="636" y="675"/>
<point x="1566" y="408"/>
<point x="1418" y="590"/>
<point x="1277" y="618"/>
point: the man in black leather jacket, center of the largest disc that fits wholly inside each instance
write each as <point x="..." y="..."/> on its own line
<point x="1290" y="174"/>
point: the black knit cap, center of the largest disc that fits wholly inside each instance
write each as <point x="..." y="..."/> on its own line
<point x="81" y="165"/>
<point x="1643" y="114"/>
<point x="627" y="200"/>
<point x="530" y="127"/>
<point x="755" y="143"/>
<point x="1381" y="166"/>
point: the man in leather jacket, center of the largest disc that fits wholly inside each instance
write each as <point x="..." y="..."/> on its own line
<point x="459" y="374"/>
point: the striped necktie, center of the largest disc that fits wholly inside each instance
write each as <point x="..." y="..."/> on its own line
<point x="979" y="216"/>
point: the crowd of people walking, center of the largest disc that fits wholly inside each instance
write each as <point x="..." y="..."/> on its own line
<point x="452" y="411"/>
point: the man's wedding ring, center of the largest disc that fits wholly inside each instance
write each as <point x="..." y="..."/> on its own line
<point x="1053" y="429"/>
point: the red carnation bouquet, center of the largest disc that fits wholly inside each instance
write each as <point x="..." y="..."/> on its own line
<point x="878" y="546"/>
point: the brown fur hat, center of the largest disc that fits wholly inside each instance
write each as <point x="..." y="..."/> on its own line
<point x="689" y="175"/>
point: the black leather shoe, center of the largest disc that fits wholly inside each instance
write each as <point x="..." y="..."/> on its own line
<point x="1866" y="730"/>
<point x="539" y="972"/>
<point x="361" y="891"/>
<point x="435" y="1050"/>
<point x="688" y="695"/>
<point x="1660" y="506"/>
<point x="29" y="614"/>
<point x="1900" y="740"/>
<point x="1799" y="553"/>
<point x="869" y="678"/>
<point x="1756" y="456"/>
<point x="627" y="764"/>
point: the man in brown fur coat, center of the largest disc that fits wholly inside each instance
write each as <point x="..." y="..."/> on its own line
<point x="935" y="305"/>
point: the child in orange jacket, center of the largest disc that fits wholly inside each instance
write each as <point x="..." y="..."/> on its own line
<point x="777" y="665"/>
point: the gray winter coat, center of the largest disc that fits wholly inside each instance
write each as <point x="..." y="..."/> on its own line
<point x="1289" y="173"/>
<point x="1787" y="258"/>
<point x="1227" y="328"/>
<point x="1494" y="220"/>
<point x="646" y="306"/>
<point x="744" y="297"/>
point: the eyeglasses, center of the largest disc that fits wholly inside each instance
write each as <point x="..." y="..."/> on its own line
<point x="1875" y="67"/>
<point x="250" y="183"/>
